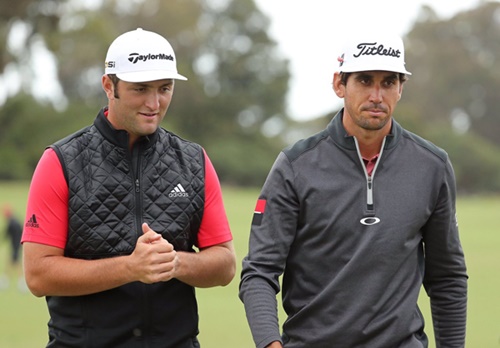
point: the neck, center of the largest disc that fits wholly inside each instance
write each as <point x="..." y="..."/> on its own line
<point x="369" y="149"/>
<point x="369" y="140"/>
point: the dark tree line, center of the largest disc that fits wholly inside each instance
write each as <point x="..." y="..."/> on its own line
<point x="234" y="101"/>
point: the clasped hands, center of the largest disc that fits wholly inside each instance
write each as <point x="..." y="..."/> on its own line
<point x="154" y="258"/>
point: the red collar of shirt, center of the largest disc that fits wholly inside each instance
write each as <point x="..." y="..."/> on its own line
<point x="370" y="163"/>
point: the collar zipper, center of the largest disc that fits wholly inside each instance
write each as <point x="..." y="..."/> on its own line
<point x="369" y="179"/>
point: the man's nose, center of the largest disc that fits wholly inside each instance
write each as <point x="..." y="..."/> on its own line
<point x="153" y="101"/>
<point x="376" y="95"/>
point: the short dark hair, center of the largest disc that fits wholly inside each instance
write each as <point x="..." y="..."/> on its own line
<point x="114" y="79"/>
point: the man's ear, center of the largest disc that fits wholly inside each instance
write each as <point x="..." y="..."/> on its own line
<point x="400" y="91"/>
<point x="337" y="85"/>
<point x="108" y="87"/>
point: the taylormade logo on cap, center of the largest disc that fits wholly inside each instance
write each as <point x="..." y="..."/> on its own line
<point x="141" y="56"/>
<point x="135" y="57"/>
<point x="370" y="54"/>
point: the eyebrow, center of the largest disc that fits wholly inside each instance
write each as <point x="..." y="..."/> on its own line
<point x="368" y="75"/>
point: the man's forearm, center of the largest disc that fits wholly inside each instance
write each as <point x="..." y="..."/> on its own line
<point x="213" y="266"/>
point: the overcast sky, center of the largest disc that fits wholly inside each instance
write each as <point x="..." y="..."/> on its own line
<point x="309" y="34"/>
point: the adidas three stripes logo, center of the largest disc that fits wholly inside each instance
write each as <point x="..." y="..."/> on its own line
<point x="178" y="191"/>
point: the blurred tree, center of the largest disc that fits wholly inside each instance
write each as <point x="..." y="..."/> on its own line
<point x="27" y="127"/>
<point x="236" y="93"/>
<point x="451" y="97"/>
<point x="455" y="63"/>
<point x="232" y="103"/>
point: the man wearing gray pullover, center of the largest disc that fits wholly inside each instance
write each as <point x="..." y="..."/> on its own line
<point x="356" y="218"/>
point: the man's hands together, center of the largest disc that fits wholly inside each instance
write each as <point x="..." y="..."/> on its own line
<point x="154" y="258"/>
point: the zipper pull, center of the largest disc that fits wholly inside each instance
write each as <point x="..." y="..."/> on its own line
<point x="369" y="193"/>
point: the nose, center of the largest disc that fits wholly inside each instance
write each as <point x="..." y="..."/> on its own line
<point x="153" y="101"/>
<point x="376" y="95"/>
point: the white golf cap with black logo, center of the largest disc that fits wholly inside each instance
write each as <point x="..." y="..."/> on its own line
<point x="372" y="52"/>
<point x="141" y="56"/>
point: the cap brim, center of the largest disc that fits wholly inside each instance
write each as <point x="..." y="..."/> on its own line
<point x="374" y="68"/>
<point x="145" y="76"/>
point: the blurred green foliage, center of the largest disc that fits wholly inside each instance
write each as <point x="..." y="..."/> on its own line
<point x="234" y="101"/>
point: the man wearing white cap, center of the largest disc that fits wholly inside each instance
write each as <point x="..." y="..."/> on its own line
<point x="355" y="219"/>
<point x="115" y="210"/>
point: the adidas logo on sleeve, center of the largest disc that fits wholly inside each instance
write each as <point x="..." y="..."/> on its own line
<point x="32" y="223"/>
<point x="178" y="191"/>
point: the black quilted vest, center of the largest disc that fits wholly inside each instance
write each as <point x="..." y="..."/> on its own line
<point x="112" y="191"/>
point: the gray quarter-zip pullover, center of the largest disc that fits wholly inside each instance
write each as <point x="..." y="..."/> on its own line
<point x="354" y="250"/>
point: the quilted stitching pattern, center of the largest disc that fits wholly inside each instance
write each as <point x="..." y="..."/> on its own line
<point x="104" y="204"/>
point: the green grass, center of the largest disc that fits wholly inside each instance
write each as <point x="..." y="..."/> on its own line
<point x="480" y="237"/>
<point x="223" y="324"/>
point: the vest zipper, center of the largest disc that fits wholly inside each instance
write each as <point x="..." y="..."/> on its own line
<point x="136" y="175"/>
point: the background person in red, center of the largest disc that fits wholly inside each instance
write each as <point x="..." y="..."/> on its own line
<point x="115" y="209"/>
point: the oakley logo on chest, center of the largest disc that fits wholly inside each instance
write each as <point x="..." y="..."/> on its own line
<point x="368" y="221"/>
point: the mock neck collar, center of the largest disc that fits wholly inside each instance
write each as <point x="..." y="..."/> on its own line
<point x="116" y="136"/>
<point x="339" y="135"/>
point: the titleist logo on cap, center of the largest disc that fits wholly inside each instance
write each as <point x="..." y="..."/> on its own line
<point x="367" y="49"/>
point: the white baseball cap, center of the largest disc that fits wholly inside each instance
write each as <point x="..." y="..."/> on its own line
<point x="141" y="56"/>
<point x="372" y="52"/>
